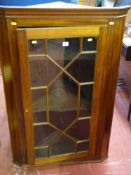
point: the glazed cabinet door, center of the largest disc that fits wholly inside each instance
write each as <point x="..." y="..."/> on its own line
<point x="60" y="85"/>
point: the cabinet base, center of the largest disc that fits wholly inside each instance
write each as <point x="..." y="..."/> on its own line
<point x="79" y="161"/>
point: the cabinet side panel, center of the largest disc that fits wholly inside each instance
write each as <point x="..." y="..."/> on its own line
<point x="112" y="85"/>
<point x="12" y="95"/>
<point x="111" y="64"/>
<point x="7" y="81"/>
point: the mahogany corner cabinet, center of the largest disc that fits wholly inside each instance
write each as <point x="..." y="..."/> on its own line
<point x="59" y="68"/>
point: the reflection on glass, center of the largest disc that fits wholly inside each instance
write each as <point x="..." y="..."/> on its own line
<point x="60" y="70"/>
<point x="85" y="100"/>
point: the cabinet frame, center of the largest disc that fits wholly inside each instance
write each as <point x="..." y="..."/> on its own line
<point x="66" y="18"/>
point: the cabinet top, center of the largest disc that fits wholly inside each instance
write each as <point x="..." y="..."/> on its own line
<point x="61" y="8"/>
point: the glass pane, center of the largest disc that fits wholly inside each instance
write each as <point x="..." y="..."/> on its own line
<point x="80" y="130"/>
<point x="89" y="43"/>
<point x="36" y="46"/>
<point x="38" y="100"/>
<point x="62" y="102"/>
<point x="83" y="68"/>
<point x="42" y="71"/>
<point x="62" y="119"/>
<point x="57" y="69"/>
<point x="63" y="50"/>
<point x="82" y="146"/>
<point x="86" y="100"/>
<point x="62" y="146"/>
<point x="39" y="153"/>
<point x="44" y="134"/>
<point x="39" y="116"/>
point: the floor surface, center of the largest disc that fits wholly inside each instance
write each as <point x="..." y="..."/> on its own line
<point x="118" y="162"/>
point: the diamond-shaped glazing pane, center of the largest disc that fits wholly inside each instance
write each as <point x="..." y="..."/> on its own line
<point x="62" y="102"/>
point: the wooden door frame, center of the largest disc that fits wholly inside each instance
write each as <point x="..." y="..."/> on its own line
<point x="23" y="35"/>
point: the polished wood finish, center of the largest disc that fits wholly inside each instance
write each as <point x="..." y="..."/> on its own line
<point x="26" y="95"/>
<point x="107" y="23"/>
<point x="66" y="32"/>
